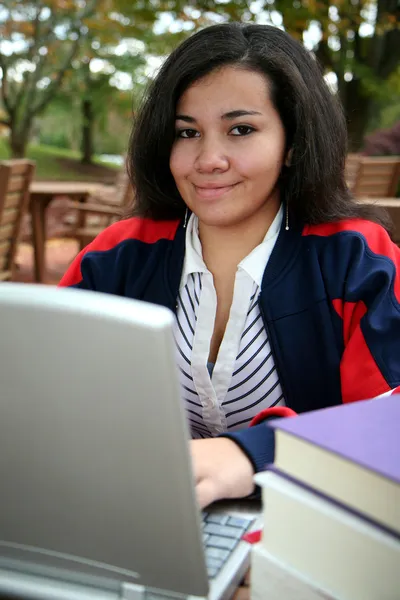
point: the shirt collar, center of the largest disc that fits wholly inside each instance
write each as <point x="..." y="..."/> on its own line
<point x="193" y="262"/>
<point x="254" y="263"/>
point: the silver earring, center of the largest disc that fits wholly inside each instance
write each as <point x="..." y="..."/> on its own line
<point x="287" y="216"/>
<point x="185" y="222"/>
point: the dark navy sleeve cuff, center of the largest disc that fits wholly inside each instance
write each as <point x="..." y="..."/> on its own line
<point x="258" y="443"/>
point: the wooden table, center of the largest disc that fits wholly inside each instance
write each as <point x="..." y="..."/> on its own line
<point x="42" y="193"/>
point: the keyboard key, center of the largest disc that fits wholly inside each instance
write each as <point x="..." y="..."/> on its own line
<point x="215" y="563"/>
<point x="216" y="553"/>
<point x="149" y="595"/>
<point x="223" y="530"/>
<point x="222" y="542"/>
<point x="221" y="534"/>
<point x="243" y="523"/>
<point x="212" y="572"/>
<point x="218" y="519"/>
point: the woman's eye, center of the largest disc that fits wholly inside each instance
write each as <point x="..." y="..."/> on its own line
<point x="186" y="133"/>
<point x="242" y="130"/>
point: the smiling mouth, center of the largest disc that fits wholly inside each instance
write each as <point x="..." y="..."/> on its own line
<point x="213" y="192"/>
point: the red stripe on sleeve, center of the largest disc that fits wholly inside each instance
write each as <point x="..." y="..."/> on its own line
<point x="351" y="313"/>
<point x="377" y="239"/>
<point x="143" y="230"/>
<point x="359" y="374"/>
<point x="275" y="411"/>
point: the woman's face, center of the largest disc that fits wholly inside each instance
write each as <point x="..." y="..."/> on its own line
<point x="229" y="148"/>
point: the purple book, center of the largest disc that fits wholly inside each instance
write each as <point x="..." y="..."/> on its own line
<point x="350" y="453"/>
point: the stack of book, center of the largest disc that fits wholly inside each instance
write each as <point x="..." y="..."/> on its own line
<point x="331" y="504"/>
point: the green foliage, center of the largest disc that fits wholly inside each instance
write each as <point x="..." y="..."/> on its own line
<point x="70" y="54"/>
<point x="54" y="43"/>
<point x="387" y="104"/>
<point x="58" y="164"/>
<point x="60" y="125"/>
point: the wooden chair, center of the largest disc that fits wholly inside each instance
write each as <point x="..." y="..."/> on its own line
<point x="103" y="209"/>
<point x="15" y="180"/>
<point x="377" y="177"/>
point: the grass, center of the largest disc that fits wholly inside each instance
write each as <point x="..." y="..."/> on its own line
<point x="62" y="164"/>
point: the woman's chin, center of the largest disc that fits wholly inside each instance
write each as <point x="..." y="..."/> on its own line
<point x="210" y="218"/>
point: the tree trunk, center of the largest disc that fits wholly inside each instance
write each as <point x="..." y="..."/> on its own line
<point x="87" y="131"/>
<point x="357" y="108"/>
<point x="18" y="142"/>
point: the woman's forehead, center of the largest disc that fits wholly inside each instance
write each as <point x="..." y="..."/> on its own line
<point x="222" y="90"/>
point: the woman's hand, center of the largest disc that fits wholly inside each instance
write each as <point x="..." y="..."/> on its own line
<point x="221" y="470"/>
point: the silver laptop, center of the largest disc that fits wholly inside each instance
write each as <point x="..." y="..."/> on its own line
<point x="97" y="497"/>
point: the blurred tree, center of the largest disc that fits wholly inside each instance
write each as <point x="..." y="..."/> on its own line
<point x="389" y="104"/>
<point x="60" y="125"/>
<point x="359" y="42"/>
<point x="38" y="42"/>
<point x="94" y="81"/>
<point x="88" y="46"/>
<point x="356" y="40"/>
<point x="42" y="41"/>
<point x="108" y="58"/>
<point x="383" y="142"/>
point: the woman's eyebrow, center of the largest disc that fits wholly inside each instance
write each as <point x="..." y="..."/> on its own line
<point x="185" y="118"/>
<point x="232" y="114"/>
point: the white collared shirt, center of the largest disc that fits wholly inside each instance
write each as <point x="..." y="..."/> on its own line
<point x="244" y="380"/>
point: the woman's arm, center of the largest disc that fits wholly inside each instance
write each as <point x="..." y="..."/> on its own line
<point x="224" y="466"/>
<point x="368" y="302"/>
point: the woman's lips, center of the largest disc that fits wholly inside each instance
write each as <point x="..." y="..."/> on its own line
<point x="213" y="192"/>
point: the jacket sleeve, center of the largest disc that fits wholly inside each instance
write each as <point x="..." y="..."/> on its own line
<point x="73" y="277"/>
<point x="258" y="440"/>
<point x="105" y="264"/>
<point x="369" y="309"/>
<point x="366" y="297"/>
<point x="93" y="267"/>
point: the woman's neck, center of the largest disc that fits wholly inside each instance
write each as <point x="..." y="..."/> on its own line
<point x="225" y="247"/>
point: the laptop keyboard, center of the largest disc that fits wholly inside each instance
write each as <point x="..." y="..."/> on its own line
<point x="221" y="535"/>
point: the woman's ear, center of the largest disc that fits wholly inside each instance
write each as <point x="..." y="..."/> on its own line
<point x="288" y="158"/>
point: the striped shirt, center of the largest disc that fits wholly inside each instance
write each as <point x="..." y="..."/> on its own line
<point x="244" y="380"/>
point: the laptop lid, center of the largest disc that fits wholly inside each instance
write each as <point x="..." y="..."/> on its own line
<point x="95" y="473"/>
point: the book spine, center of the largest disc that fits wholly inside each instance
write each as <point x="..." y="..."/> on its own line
<point x="320" y="540"/>
<point x="342" y="505"/>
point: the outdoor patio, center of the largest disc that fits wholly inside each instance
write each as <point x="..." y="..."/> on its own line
<point x="59" y="251"/>
<point x="59" y="254"/>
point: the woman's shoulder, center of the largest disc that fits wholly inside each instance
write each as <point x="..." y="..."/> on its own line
<point x="135" y="228"/>
<point x="102" y="264"/>
<point x="344" y="233"/>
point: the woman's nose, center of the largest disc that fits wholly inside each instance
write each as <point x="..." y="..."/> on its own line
<point x="211" y="157"/>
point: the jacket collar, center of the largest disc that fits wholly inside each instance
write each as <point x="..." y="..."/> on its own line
<point x="283" y="255"/>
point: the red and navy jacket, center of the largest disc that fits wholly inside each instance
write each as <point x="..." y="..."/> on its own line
<point x="330" y="301"/>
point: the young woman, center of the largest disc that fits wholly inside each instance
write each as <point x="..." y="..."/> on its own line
<point x="285" y="290"/>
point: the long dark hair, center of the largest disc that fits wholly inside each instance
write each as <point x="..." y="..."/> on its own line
<point x="313" y="184"/>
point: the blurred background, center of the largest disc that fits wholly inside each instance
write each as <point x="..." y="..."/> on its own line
<point x="72" y="73"/>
